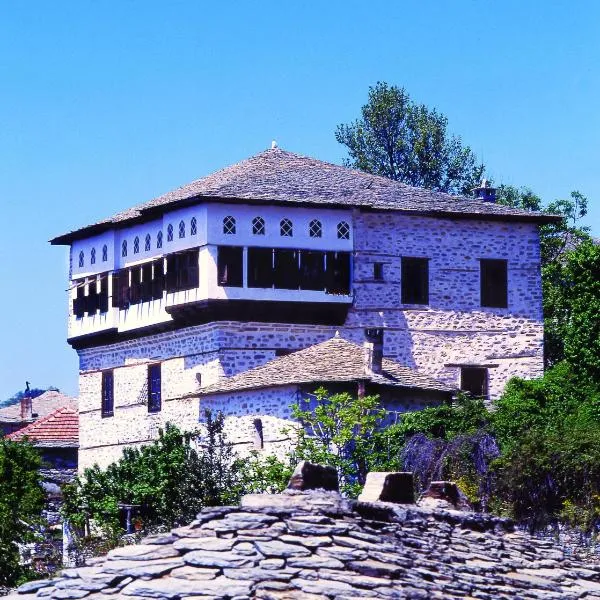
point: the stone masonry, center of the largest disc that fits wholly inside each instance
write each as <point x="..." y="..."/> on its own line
<point x="316" y="545"/>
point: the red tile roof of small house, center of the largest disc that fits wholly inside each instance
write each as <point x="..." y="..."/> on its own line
<point x="41" y="406"/>
<point x="277" y="176"/>
<point x="335" y="360"/>
<point x="58" y="429"/>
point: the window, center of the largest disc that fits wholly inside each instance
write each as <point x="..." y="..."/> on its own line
<point x="107" y="394"/>
<point x="120" y="289"/>
<point x="154" y="385"/>
<point x="181" y="230"/>
<point x="315" y="229"/>
<point x="378" y="271"/>
<point x="141" y="283"/>
<point x="158" y="279"/>
<point x="337" y="274"/>
<point x="193" y="226"/>
<point x="169" y="233"/>
<point x="258" y="226"/>
<point x="104" y="253"/>
<point x="79" y="300"/>
<point x="415" y="280"/>
<point x="259" y="440"/>
<point x="229" y="225"/>
<point x="81" y="259"/>
<point x="286" y="228"/>
<point x="230" y="266"/>
<point x="136" y="245"/>
<point x="93" y="256"/>
<point x="343" y="230"/>
<point x="103" y="298"/>
<point x="159" y="239"/>
<point x="91" y="301"/>
<point x="260" y="267"/>
<point x="494" y="282"/>
<point x="124" y="249"/>
<point x="474" y="380"/>
<point x="182" y="271"/>
<point x="147" y="243"/>
<point x="312" y="270"/>
<point x="286" y="269"/>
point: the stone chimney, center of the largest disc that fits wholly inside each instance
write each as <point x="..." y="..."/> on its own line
<point x="485" y="192"/>
<point x="26" y="408"/>
<point x="373" y="350"/>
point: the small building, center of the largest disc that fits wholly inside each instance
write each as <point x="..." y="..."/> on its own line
<point x="257" y="404"/>
<point x="23" y="413"/>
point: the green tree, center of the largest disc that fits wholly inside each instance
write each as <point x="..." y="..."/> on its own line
<point x="21" y="503"/>
<point x="169" y="479"/>
<point x="408" y="142"/>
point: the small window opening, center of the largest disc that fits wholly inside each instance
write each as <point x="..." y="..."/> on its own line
<point x="378" y="271"/>
<point x="159" y="236"/>
<point x="124" y="249"/>
<point x="154" y="388"/>
<point x="260" y="267"/>
<point x="181" y="229"/>
<point x="169" y="233"/>
<point x="286" y="228"/>
<point x="258" y="226"/>
<point x="494" y="283"/>
<point x="136" y="245"/>
<point x="182" y="271"/>
<point x="193" y="226"/>
<point x="474" y="380"/>
<point x="147" y="243"/>
<point x="415" y="280"/>
<point x="81" y="259"/>
<point x="93" y="256"/>
<point x="343" y="230"/>
<point x="229" y="225"/>
<point x="230" y="266"/>
<point x="259" y="440"/>
<point x="107" y="394"/>
<point x="104" y="253"/>
<point x="315" y="229"/>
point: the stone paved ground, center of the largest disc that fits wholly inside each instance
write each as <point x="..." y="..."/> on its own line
<point x="317" y="545"/>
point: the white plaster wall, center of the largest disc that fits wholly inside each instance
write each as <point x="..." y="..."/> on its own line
<point x="98" y="241"/>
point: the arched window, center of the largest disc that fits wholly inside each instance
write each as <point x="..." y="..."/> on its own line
<point x="159" y="239"/>
<point x="181" y="229"/>
<point x="136" y="244"/>
<point x="343" y="230"/>
<point x="286" y="228"/>
<point x="124" y="248"/>
<point x="258" y="226"/>
<point x="81" y="259"/>
<point x="104" y="253"/>
<point x="229" y="225"/>
<point x="315" y="229"/>
<point x="193" y="226"/>
<point x="170" y="233"/>
<point x="147" y="243"/>
<point x="93" y="256"/>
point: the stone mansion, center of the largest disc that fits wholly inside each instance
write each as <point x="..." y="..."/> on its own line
<point x="247" y="289"/>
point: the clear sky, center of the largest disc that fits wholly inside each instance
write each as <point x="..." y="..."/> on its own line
<point x="107" y="104"/>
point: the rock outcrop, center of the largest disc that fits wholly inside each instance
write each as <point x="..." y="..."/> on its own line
<point x="315" y="544"/>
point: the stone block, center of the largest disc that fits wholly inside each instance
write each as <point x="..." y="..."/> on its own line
<point x="309" y="476"/>
<point x="388" y="487"/>
<point x="444" y="495"/>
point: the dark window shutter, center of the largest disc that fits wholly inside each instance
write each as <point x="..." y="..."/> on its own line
<point x="415" y="280"/>
<point x="154" y="388"/>
<point x="494" y="283"/>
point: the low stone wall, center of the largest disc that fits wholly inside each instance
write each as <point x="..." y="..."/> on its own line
<point x="315" y="544"/>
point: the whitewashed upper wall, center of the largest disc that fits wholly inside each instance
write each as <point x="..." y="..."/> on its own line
<point x="209" y="229"/>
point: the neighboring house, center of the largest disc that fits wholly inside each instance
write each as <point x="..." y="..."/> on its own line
<point x="276" y="254"/>
<point x="19" y="415"/>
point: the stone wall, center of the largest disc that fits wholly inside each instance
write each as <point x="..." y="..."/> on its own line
<point x="436" y="339"/>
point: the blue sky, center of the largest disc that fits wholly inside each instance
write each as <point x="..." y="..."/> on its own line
<point x="107" y="104"/>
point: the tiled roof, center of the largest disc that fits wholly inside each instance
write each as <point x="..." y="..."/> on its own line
<point x="278" y="176"/>
<point x="59" y="429"/>
<point x="336" y="360"/>
<point x="42" y="405"/>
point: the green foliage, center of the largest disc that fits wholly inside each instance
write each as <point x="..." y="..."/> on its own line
<point x="265" y="474"/>
<point x="344" y="432"/>
<point x="169" y="479"/>
<point x="408" y="142"/>
<point x="21" y="503"/>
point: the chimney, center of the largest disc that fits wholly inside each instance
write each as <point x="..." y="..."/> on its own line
<point x="485" y="192"/>
<point x="373" y="350"/>
<point x="26" y="408"/>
